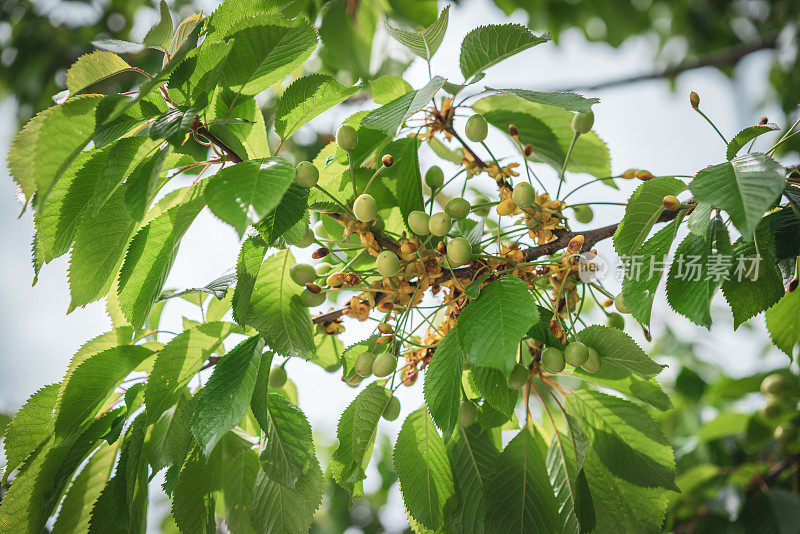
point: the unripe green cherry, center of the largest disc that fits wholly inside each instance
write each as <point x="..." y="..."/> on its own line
<point x="519" y="376"/>
<point x="772" y="408"/>
<point x="346" y="137"/>
<point x="363" y="365"/>
<point x="392" y="409"/>
<point x="785" y="433"/>
<point x="467" y="413"/>
<point x="306" y="240"/>
<point x="775" y="384"/>
<point x="553" y="360"/>
<point x="576" y="353"/>
<point x="457" y="208"/>
<point x="483" y="211"/>
<point x="582" y="122"/>
<point x="277" y="377"/>
<point x="476" y="128"/>
<point x="379" y="225"/>
<point x="418" y="222"/>
<point x="309" y="299"/>
<point x="620" y="305"/>
<point x="384" y="365"/>
<point x="439" y="224"/>
<point x="306" y="174"/>
<point x="592" y="363"/>
<point x="365" y="208"/>
<point x="583" y="213"/>
<point x="302" y="273"/>
<point x="323" y="268"/>
<point x="459" y="251"/>
<point x="523" y="195"/>
<point x="434" y="178"/>
<point x="616" y="320"/>
<point x="388" y="263"/>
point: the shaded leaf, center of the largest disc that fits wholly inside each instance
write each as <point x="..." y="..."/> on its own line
<point x="491" y="44"/>
<point x="306" y="98"/>
<point x="424" y="42"/>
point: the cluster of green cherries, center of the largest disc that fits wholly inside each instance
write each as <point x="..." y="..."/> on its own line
<point x="780" y="401"/>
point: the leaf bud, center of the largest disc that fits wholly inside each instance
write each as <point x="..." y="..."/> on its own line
<point x="387" y="160"/>
<point x="671" y="202"/>
<point x="528" y="150"/>
<point x="643" y="175"/>
<point x="512" y="129"/>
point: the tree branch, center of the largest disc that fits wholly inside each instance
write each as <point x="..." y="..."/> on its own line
<point x="719" y="58"/>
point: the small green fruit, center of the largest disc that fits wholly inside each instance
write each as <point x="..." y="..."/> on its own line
<point x="388" y="263"/>
<point x="553" y="360"/>
<point x="392" y="409"/>
<point x="307" y="239"/>
<point x="576" y="353"/>
<point x="483" y="211"/>
<point x="418" y="222"/>
<point x="434" y="178"/>
<point x="459" y="251"/>
<point x="309" y="299"/>
<point x="518" y="377"/>
<point x="277" y="377"/>
<point x="476" y="128"/>
<point x="439" y="224"/>
<point x="363" y="366"/>
<point x="302" y="273"/>
<point x="384" y="365"/>
<point x="592" y="363"/>
<point x="457" y="208"/>
<point x="620" y="306"/>
<point x="365" y="208"/>
<point x="616" y="320"/>
<point x="323" y="268"/>
<point x="523" y="195"/>
<point x="785" y="433"/>
<point x="347" y="137"/>
<point x="582" y="122"/>
<point x="307" y="174"/>
<point x="775" y="384"/>
<point x="379" y="225"/>
<point x="772" y="408"/>
<point x="467" y="413"/>
<point x="583" y="213"/>
<point x="354" y="381"/>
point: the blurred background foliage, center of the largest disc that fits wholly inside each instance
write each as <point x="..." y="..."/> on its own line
<point x="738" y="472"/>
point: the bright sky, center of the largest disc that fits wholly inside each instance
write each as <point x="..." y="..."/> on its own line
<point x="645" y="125"/>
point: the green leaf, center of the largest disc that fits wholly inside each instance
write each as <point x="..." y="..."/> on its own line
<point x="245" y="193"/>
<point x="389" y="117"/>
<point x="745" y="187"/>
<point x="247" y="139"/>
<point x="149" y="259"/>
<point x="724" y="425"/>
<point x="196" y="77"/>
<point x="143" y="184"/>
<point x="618" y="349"/>
<point x="700" y="218"/>
<point x="160" y="35"/>
<point x="171" y="436"/>
<point x="31" y="426"/>
<point x="425" y="41"/>
<point x="519" y="497"/>
<point x="109" y="130"/>
<point x="49" y="143"/>
<point x="488" y="45"/>
<point x="444" y="152"/>
<point x="626" y="439"/>
<point x="265" y="49"/>
<point x="783" y="322"/>
<point x="745" y="136"/>
<point x="642" y="211"/>
<point x="193" y="499"/>
<point x="125" y="155"/>
<point x="289" y="452"/>
<point x="493" y="386"/>
<point x="277" y="508"/>
<point x="775" y="511"/>
<point x="90" y="385"/>
<point x="423" y="468"/>
<point x="306" y="98"/>
<point x="403" y="178"/>
<point x="443" y="383"/>
<point x="568" y="101"/>
<point x="640" y="285"/>
<point x="356" y="433"/>
<point x="389" y="87"/>
<point x="549" y="130"/>
<point x="223" y="401"/>
<point x="285" y="216"/>
<point x="492" y="325"/>
<point x="747" y="298"/>
<point x="247" y="266"/>
<point x="347" y="37"/>
<point x="275" y="309"/>
<point x="73" y="518"/>
<point x="178" y="362"/>
<point x="238" y="473"/>
<point x="576" y="509"/>
<point x="91" y="68"/>
<point x="629" y="384"/>
<point x="472" y="458"/>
